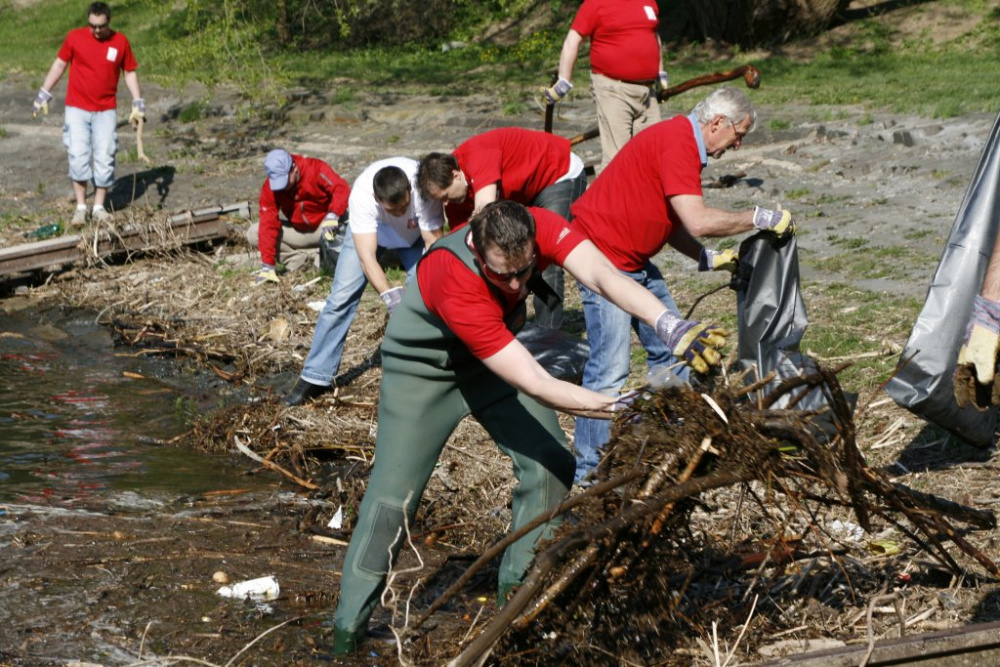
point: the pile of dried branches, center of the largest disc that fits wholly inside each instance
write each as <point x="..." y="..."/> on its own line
<point x="642" y="564"/>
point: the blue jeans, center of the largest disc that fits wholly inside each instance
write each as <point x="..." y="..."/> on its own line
<point x="91" y="134"/>
<point x="609" y="335"/>
<point x="341" y="306"/>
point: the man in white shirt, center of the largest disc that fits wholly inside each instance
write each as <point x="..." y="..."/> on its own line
<point x="385" y="211"/>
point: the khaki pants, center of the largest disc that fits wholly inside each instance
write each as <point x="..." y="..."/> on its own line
<point x="623" y="109"/>
<point x="295" y="249"/>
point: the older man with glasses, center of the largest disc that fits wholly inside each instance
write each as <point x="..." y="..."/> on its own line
<point x="650" y="196"/>
<point x="97" y="56"/>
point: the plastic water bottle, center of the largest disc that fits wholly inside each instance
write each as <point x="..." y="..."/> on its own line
<point x="258" y="590"/>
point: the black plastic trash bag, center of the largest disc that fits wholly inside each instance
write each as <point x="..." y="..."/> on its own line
<point x="561" y="354"/>
<point x="772" y="318"/>
<point x="924" y="380"/>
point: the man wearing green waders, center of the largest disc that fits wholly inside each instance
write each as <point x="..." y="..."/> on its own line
<point x="450" y="351"/>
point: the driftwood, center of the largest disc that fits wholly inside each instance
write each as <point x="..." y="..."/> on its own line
<point x="616" y="581"/>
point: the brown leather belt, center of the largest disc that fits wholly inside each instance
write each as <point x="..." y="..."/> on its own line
<point x="646" y="82"/>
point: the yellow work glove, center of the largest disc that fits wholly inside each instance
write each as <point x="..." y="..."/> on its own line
<point x="982" y="339"/>
<point x="694" y="342"/>
<point x="780" y="222"/>
<point x="329" y="227"/>
<point x="718" y="260"/>
<point x="557" y="91"/>
<point x="265" y="274"/>
<point x="41" y="103"/>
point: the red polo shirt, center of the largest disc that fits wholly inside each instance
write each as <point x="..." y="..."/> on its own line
<point x="95" y="67"/>
<point x="622" y="33"/>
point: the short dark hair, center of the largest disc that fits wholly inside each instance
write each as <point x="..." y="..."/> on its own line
<point x="436" y="169"/>
<point x="505" y="224"/>
<point x="99" y="9"/>
<point x="391" y="185"/>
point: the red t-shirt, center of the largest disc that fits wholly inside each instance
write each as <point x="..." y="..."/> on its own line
<point x="622" y="33"/>
<point x="626" y="210"/>
<point x="320" y="190"/>
<point x="523" y="163"/>
<point x="95" y="67"/>
<point x="464" y="300"/>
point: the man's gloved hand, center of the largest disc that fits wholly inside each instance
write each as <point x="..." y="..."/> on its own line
<point x="692" y="341"/>
<point x="626" y="400"/>
<point x="982" y="339"/>
<point x="41" y="103"/>
<point x="557" y="91"/>
<point x="661" y="85"/>
<point x="392" y="297"/>
<point x="329" y="227"/>
<point x="265" y="274"/>
<point x="138" y="112"/>
<point x="718" y="260"/>
<point x="780" y="222"/>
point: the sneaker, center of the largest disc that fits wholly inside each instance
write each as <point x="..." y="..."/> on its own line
<point x="79" y="217"/>
<point x="304" y="391"/>
<point x="100" y="215"/>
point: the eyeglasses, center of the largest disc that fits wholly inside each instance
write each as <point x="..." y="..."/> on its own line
<point x="506" y="277"/>
<point x="97" y="27"/>
<point x="740" y="134"/>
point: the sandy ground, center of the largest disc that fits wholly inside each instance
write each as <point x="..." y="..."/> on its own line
<point x="859" y="182"/>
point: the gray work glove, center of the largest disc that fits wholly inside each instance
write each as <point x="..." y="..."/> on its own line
<point x="138" y="112"/>
<point x="41" y="103"/>
<point x="557" y="91"/>
<point x="694" y="342"/>
<point x="661" y="85"/>
<point x="392" y="297"/>
<point x="780" y="222"/>
<point x="718" y="260"/>
<point x="982" y="339"/>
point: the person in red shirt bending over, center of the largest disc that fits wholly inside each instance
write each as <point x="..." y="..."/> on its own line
<point x="301" y="202"/>
<point x="96" y="56"/>
<point x="650" y="196"/>
<point x="449" y="351"/>
<point x="626" y="67"/>
<point x="526" y="166"/>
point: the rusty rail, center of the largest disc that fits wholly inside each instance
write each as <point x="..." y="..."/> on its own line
<point x="187" y="228"/>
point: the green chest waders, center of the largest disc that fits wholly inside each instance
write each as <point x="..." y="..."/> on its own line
<point x="430" y="382"/>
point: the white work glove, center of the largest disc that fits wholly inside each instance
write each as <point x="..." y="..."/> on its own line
<point x="265" y="274"/>
<point x="329" y="227"/>
<point x="718" y="260"/>
<point x="779" y="222"/>
<point x="695" y="342"/>
<point x="138" y="112"/>
<point x="661" y="85"/>
<point x="41" y="103"/>
<point x="392" y="297"/>
<point x="557" y="91"/>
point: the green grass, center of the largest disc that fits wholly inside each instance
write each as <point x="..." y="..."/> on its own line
<point x="873" y="71"/>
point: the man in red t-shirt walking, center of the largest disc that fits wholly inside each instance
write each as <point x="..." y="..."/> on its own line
<point x="626" y="67"/>
<point x="650" y="196"/>
<point x="97" y="55"/>
<point x="526" y="166"/>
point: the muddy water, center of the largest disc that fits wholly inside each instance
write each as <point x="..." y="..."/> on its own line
<point x="79" y="418"/>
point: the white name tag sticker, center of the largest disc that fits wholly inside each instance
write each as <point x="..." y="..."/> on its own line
<point x="650" y="13"/>
<point x="113" y="52"/>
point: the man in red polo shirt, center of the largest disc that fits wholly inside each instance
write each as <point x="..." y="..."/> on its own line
<point x="96" y="56"/>
<point x="449" y="351"/>
<point x="626" y="67"/>
<point x="310" y="197"/>
<point x="528" y="167"/>
<point x="650" y="196"/>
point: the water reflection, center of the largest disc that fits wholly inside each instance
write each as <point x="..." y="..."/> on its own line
<point x="76" y="416"/>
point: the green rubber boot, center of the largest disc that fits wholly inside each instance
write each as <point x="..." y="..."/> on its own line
<point x="345" y="642"/>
